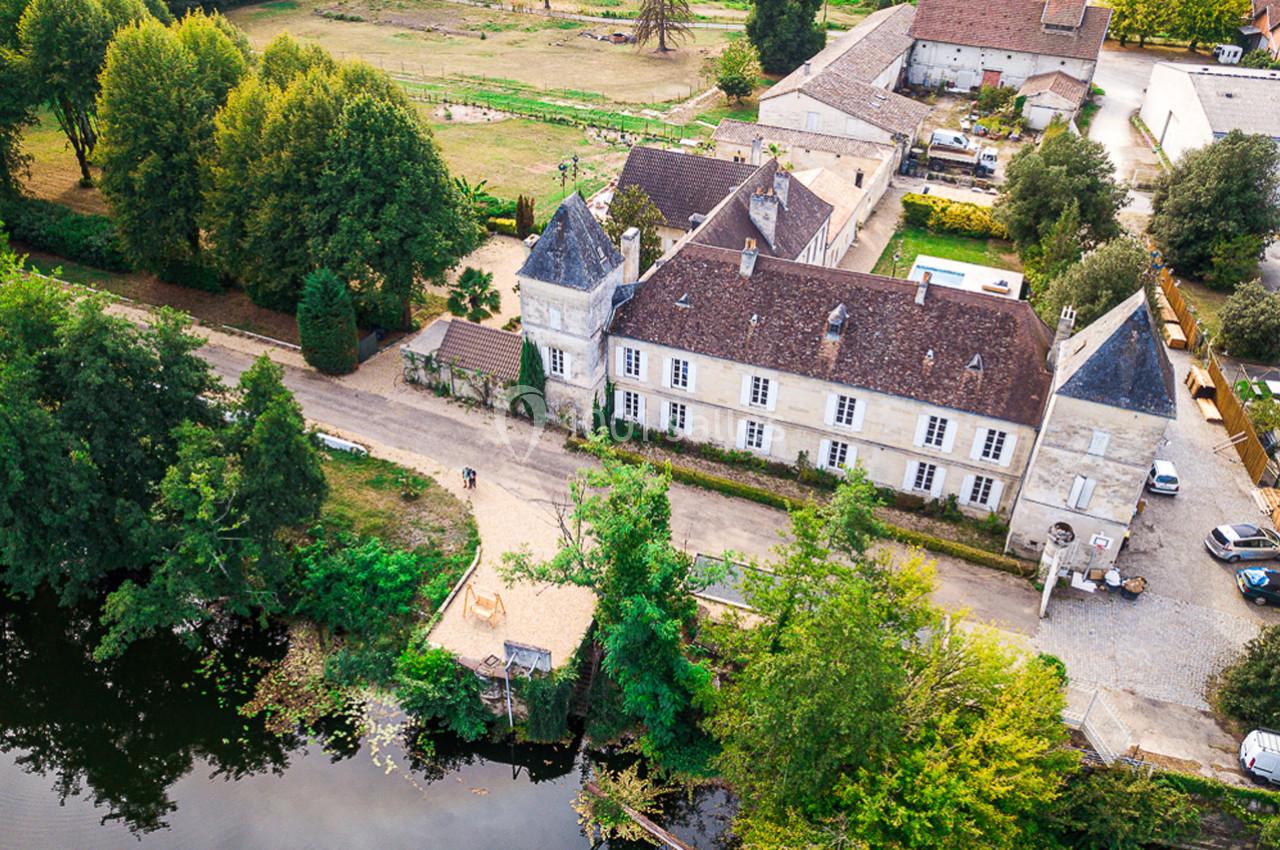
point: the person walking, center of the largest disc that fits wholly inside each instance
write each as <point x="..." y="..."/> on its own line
<point x="466" y="478"/>
<point x="473" y="479"/>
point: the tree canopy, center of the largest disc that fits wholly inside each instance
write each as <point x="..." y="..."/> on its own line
<point x="1217" y="194"/>
<point x="1041" y="183"/>
<point x="1101" y="280"/>
<point x="1251" y="323"/>
<point x="629" y="208"/>
<point x="784" y="33"/>
<point x="327" y="324"/>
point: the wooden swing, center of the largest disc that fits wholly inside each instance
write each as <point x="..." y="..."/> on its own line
<point x="483" y="606"/>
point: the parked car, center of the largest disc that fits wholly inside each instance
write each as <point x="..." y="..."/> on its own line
<point x="1163" y="477"/>
<point x="1261" y="584"/>
<point x="1260" y="755"/>
<point x="1243" y="542"/>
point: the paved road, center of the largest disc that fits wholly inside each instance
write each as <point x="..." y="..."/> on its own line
<point x="533" y="465"/>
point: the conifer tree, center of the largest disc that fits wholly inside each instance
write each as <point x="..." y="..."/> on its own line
<point x="327" y="324"/>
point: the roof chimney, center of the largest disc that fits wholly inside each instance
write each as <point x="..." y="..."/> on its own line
<point x="757" y="148"/>
<point x="808" y="68"/>
<point x="1066" y="322"/>
<point x="696" y="219"/>
<point x="781" y="184"/>
<point x="629" y="247"/>
<point x="763" y="211"/>
<point x="922" y="287"/>
<point x="748" y="262"/>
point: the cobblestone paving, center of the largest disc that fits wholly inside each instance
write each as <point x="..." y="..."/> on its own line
<point x="1159" y="647"/>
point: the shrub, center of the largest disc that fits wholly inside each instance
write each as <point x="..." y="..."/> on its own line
<point x="46" y="226"/>
<point x="946" y="216"/>
<point x="358" y="665"/>
<point x="1251" y="323"/>
<point x="524" y="216"/>
<point x="433" y="686"/>
<point x="1249" y="690"/>
<point x="547" y="698"/>
<point x="1123" y="809"/>
<point x="327" y="324"/>
<point x="994" y="98"/>
<point x="505" y="226"/>
<point x="358" y="588"/>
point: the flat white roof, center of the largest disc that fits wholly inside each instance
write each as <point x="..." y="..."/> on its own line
<point x="970" y="277"/>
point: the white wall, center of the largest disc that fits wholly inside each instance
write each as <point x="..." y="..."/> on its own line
<point x="794" y="108"/>
<point x="1041" y="109"/>
<point x="933" y="62"/>
<point x="1172" y="112"/>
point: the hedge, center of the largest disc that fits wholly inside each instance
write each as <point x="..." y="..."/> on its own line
<point x="760" y="495"/>
<point x="46" y="226"/>
<point x="943" y="215"/>
<point x="505" y="226"/>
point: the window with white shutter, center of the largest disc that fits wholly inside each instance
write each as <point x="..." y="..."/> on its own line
<point x="846" y="409"/>
<point x="993" y="446"/>
<point x="631" y="362"/>
<point x="631" y="406"/>
<point x="677" y="416"/>
<point x="923" y="481"/>
<point x="759" y="396"/>
<point x="980" y="490"/>
<point x="679" y="374"/>
<point x="935" y="432"/>
<point x="837" y="455"/>
<point x="753" y="437"/>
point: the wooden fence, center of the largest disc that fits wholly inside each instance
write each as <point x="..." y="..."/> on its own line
<point x="1234" y="417"/>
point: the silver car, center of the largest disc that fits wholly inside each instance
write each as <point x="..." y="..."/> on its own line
<point x="1243" y="542"/>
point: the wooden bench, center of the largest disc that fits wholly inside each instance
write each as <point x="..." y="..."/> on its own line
<point x="1200" y="383"/>
<point x="1209" y="410"/>
<point x="1173" y="333"/>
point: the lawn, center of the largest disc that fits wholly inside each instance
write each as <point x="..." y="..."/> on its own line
<point x="434" y="38"/>
<point x="911" y="241"/>
<point x="1205" y="303"/>
<point x="55" y="174"/>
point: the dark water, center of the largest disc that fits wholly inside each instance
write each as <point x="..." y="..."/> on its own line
<point x="146" y="751"/>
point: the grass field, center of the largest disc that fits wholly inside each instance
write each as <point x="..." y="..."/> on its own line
<point x="1206" y="303"/>
<point x="55" y="174"/>
<point x="435" y="38"/>
<point x="911" y="241"/>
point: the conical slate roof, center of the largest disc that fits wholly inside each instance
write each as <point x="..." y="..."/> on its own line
<point x="573" y="250"/>
<point x="1120" y="361"/>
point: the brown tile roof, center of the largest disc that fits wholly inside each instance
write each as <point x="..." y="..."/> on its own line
<point x="743" y="133"/>
<point x="1063" y="85"/>
<point x="1008" y="25"/>
<point x="481" y="349"/>
<point x="886" y="340"/>
<point x="1063" y="13"/>
<point x="730" y="224"/>
<point x="842" y="74"/>
<point x="681" y="184"/>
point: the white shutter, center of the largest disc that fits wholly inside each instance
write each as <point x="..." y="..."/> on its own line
<point x="693" y="374"/>
<point x="568" y="365"/>
<point x="979" y="440"/>
<point x="859" y="411"/>
<point x="939" y="476"/>
<point x="922" y="425"/>
<point x="910" y="478"/>
<point x="1006" y="454"/>
<point x="666" y="372"/>
<point x="742" y="433"/>
<point x="640" y="408"/>
<point x="746" y="390"/>
<point x="829" y="417"/>
<point x="966" y="487"/>
<point x="824" y="452"/>
<point x="1098" y="445"/>
<point x="767" y="441"/>
<point x="851" y="457"/>
<point x="949" y="435"/>
<point x="644" y="367"/>
<point x="545" y="351"/>
<point x="1074" y="496"/>
<point x="997" y="489"/>
<point x="771" y="398"/>
<point x="619" y="412"/>
<point x="1086" y="493"/>
<point x="619" y="361"/>
<point x="664" y="409"/>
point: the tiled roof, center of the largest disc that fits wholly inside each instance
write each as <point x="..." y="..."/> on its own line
<point x="681" y="184"/>
<point x="1008" y="25"/>
<point x="1063" y="85"/>
<point x="1237" y="98"/>
<point x="798" y="222"/>
<point x="887" y="339"/>
<point x="842" y="74"/>
<point x="1271" y="8"/>
<point x="481" y="349"/>
<point x="1120" y="361"/>
<point x="743" y="133"/>
<point x="573" y="250"/>
<point x="1063" y="13"/>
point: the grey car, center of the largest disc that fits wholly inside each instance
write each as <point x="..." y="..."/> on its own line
<point x="1243" y="542"/>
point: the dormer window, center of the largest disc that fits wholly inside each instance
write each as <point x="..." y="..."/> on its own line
<point x="975" y="365"/>
<point x="835" y="321"/>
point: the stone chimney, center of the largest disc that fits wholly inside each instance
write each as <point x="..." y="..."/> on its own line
<point x="922" y="287"/>
<point x="1066" y="322"/>
<point x="629" y="246"/>
<point x="808" y="69"/>
<point x="764" y="214"/>
<point x="757" y="149"/>
<point x="748" y="262"/>
<point x="781" y="184"/>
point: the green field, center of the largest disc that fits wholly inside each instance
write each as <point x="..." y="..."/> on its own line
<point x="911" y="241"/>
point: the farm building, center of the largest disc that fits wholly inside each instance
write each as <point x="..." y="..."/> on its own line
<point x="1189" y="106"/>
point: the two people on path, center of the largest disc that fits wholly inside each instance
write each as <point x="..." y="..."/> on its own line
<point x="468" y="478"/>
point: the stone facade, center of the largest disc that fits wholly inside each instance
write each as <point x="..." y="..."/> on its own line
<point x="936" y="63"/>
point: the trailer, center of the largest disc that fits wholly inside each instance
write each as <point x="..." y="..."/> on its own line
<point x="976" y="161"/>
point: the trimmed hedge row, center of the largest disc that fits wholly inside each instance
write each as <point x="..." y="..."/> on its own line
<point x="46" y="226"/>
<point x="943" y="215"/>
<point x="760" y="495"/>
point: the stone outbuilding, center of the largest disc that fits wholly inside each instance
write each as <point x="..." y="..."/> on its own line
<point x="1049" y="96"/>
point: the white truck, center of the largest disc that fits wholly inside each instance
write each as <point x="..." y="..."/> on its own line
<point x="951" y="149"/>
<point x="1260" y="755"/>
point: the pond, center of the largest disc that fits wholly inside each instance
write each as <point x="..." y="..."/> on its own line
<point x="146" y="751"/>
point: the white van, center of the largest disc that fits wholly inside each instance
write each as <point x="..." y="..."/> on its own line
<point x="1260" y="755"/>
<point x="1163" y="478"/>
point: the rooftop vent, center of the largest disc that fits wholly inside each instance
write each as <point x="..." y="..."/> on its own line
<point x="975" y="365"/>
<point x="683" y="302"/>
